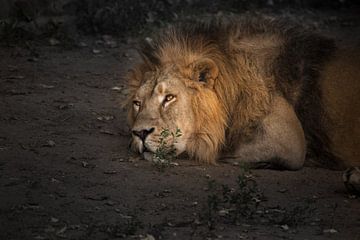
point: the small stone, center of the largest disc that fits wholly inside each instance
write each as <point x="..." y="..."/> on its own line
<point x="110" y="203"/>
<point x="148" y="237"/>
<point x="116" y="88"/>
<point x="283" y="190"/>
<point x="54" y="42"/>
<point x="38" y="237"/>
<point x="107" y="132"/>
<point x="330" y="230"/>
<point x="50" y="143"/>
<point x="54" y="180"/>
<point x="110" y="172"/>
<point x="61" y="231"/>
<point x="96" y="51"/>
<point x="223" y="212"/>
<point x="284" y="227"/>
<point x="109" y="41"/>
<point x="82" y="44"/>
<point x="33" y="59"/>
<point x="54" y="220"/>
<point x="148" y="39"/>
<point x="45" y="86"/>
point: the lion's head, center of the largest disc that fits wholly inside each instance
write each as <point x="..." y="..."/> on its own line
<point x="187" y="81"/>
<point x="176" y="96"/>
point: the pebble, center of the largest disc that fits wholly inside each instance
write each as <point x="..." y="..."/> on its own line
<point x="284" y="227"/>
<point x="148" y="237"/>
<point x="54" y="42"/>
<point x="330" y="230"/>
<point x="50" y="143"/>
<point x="96" y="51"/>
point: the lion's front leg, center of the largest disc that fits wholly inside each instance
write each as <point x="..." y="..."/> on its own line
<point x="281" y="144"/>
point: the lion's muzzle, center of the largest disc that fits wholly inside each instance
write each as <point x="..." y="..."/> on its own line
<point x="141" y="135"/>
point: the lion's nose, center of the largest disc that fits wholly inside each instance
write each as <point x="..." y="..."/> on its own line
<point x="142" y="134"/>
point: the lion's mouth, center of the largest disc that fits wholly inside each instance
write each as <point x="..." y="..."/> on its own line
<point x="146" y="152"/>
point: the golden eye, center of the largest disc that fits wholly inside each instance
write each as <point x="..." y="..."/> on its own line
<point x="136" y="103"/>
<point x="169" y="97"/>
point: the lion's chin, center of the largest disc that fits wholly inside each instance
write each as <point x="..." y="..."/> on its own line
<point x="142" y="149"/>
<point x="147" y="150"/>
<point x="149" y="156"/>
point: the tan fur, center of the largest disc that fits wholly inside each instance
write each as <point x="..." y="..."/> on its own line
<point x="281" y="143"/>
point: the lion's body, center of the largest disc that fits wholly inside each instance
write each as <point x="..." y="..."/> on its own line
<point x="340" y="82"/>
<point x="247" y="90"/>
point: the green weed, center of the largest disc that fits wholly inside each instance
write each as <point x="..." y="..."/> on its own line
<point x="166" y="153"/>
<point x="231" y="204"/>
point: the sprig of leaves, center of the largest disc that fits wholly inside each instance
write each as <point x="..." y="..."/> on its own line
<point x="166" y="153"/>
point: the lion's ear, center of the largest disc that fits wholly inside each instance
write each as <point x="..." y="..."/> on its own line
<point x="205" y="71"/>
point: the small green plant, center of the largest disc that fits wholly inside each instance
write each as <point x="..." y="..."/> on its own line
<point x="242" y="203"/>
<point x="166" y="153"/>
<point x="245" y="199"/>
<point x="232" y="204"/>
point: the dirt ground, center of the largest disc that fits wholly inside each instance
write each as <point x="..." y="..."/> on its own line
<point x="66" y="173"/>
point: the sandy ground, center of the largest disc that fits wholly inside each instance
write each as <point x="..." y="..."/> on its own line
<point x="66" y="173"/>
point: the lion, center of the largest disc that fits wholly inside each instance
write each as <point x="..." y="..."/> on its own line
<point x="247" y="90"/>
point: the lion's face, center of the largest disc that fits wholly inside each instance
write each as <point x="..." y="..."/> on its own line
<point x="174" y="96"/>
<point x="162" y="102"/>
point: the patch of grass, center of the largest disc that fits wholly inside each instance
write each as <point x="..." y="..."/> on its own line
<point x="232" y="204"/>
<point x="245" y="199"/>
<point x="166" y="151"/>
<point x="242" y="204"/>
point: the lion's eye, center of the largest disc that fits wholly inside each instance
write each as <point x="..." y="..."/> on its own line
<point x="136" y="103"/>
<point x="169" y="97"/>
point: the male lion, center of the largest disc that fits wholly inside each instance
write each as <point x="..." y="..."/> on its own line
<point x="247" y="90"/>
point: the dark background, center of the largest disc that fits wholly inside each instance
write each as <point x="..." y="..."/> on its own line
<point x="21" y="19"/>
